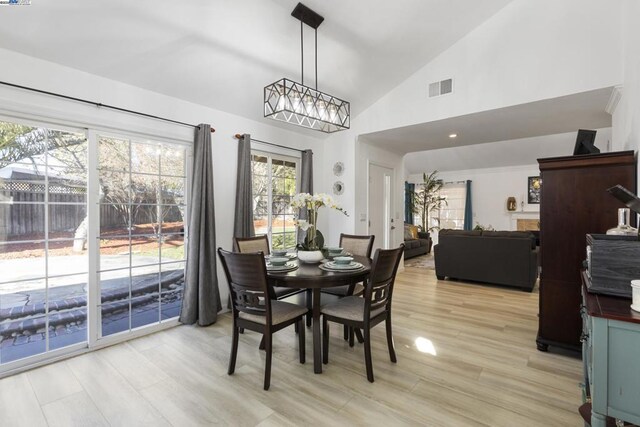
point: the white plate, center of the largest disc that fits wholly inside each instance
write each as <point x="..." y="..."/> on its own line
<point x="351" y="266"/>
<point x="635" y="307"/>
<point x="290" y="256"/>
<point x="287" y="267"/>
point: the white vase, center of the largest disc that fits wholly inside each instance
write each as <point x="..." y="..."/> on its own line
<point x="310" y="256"/>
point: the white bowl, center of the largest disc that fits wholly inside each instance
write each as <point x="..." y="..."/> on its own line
<point x="334" y="251"/>
<point x="343" y="260"/>
<point x="277" y="261"/>
<point x="279" y="252"/>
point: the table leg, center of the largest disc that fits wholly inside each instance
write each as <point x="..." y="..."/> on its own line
<point x="317" y="345"/>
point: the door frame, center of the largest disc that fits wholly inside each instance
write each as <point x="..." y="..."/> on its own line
<point x="392" y="196"/>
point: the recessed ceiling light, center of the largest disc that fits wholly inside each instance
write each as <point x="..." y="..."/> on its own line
<point x="453" y="135"/>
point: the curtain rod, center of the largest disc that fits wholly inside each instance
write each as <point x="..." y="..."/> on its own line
<point x="239" y="136"/>
<point x="100" y="105"/>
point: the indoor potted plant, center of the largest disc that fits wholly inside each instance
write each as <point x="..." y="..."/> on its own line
<point x="310" y="248"/>
<point x="427" y="199"/>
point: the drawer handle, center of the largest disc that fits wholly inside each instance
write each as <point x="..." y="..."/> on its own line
<point x="583" y="337"/>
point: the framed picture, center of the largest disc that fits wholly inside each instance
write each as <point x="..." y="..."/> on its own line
<point x="533" y="190"/>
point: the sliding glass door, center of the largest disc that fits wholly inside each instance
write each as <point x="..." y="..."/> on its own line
<point x="142" y="232"/>
<point x="43" y="256"/>
<point x="92" y="237"/>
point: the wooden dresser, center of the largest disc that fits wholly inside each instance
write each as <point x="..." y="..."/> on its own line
<point x="574" y="202"/>
<point x="611" y="345"/>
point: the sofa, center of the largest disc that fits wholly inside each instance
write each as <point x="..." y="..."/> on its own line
<point x="508" y="258"/>
<point x="415" y="242"/>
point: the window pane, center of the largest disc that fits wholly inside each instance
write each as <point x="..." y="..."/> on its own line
<point x="144" y="250"/>
<point x="173" y="190"/>
<point x="145" y="158"/>
<point x="145" y="300"/>
<point x="172" y="247"/>
<point x="67" y="310"/>
<point x="65" y="221"/>
<point x="172" y="161"/>
<point x="114" y="294"/>
<point x="113" y="154"/>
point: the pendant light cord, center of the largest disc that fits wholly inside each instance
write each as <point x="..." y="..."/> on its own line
<point x="302" y="51"/>
<point x="316" y="60"/>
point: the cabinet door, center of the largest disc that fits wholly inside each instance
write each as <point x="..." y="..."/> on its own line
<point x="623" y="382"/>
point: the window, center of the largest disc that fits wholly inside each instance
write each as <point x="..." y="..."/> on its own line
<point x="451" y="214"/>
<point x="274" y="182"/>
<point x="44" y="264"/>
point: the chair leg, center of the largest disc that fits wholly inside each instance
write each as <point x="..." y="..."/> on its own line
<point x="296" y="325"/>
<point x="267" y="364"/>
<point x="325" y="340"/>
<point x="367" y="354"/>
<point x="359" y="335"/>
<point x="301" y="343"/>
<point x="261" y="347"/>
<point x="346" y="333"/>
<point x="234" y="350"/>
<point x="390" y="344"/>
<point x="351" y="336"/>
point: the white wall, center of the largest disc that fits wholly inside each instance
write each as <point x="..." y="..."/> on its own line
<point x="489" y="191"/>
<point x="28" y="71"/>
<point x="626" y="119"/>
<point x="528" y="51"/>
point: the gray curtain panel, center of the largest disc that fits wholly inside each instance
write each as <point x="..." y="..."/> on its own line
<point x="306" y="184"/>
<point x="201" y="300"/>
<point x="306" y="177"/>
<point x="243" y="222"/>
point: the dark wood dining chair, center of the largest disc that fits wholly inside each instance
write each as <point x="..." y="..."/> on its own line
<point x="365" y="313"/>
<point x="252" y="307"/>
<point x="261" y="244"/>
<point x="360" y="245"/>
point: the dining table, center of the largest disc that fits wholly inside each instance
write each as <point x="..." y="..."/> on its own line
<point x="311" y="277"/>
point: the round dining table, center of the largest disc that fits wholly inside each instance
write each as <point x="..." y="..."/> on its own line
<point x="313" y="278"/>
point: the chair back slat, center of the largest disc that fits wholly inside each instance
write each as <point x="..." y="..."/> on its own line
<point x="247" y="278"/>
<point x="379" y="286"/>
<point x="251" y="244"/>
<point x="357" y="245"/>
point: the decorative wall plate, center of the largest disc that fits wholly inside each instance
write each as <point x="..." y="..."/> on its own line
<point x="338" y="188"/>
<point x="338" y="168"/>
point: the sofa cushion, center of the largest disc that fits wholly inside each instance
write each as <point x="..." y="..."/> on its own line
<point x="450" y="232"/>
<point x="411" y="244"/>
<point x="512" y="235"/>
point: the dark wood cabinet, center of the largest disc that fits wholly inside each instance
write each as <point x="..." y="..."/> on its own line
<point x="574" y="202"/>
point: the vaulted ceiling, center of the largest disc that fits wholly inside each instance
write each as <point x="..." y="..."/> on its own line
<point x="221" y="53"/>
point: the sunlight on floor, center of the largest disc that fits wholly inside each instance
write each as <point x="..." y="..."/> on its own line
<point x="425" y="345"/>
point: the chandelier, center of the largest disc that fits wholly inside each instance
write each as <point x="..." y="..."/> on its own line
<point x="296" y="103"/>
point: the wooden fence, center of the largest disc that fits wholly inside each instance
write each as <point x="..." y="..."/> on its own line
<point x="22" y="210"/>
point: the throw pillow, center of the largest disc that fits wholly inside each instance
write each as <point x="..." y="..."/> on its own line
<point x="407" y="232"/>
<point x="414" y="231"/>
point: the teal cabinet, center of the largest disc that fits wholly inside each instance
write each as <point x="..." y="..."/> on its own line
<point x="611" y="354"/>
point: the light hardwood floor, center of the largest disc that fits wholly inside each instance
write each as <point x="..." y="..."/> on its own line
<point x="482" y="369"/>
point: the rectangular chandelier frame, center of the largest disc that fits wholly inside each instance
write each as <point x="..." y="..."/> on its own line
<point x="292" y="102"/>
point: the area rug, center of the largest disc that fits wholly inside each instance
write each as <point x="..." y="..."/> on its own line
<point x="422" y="261"/>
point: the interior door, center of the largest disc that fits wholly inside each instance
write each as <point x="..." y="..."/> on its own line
<point x="380" y="197"/>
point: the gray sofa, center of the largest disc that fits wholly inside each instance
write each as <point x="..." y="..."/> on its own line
<point x="508" y="258"/>
<point x="419" y="246"/>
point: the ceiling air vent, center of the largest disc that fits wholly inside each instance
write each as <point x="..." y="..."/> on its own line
<point x="440" y="88"/>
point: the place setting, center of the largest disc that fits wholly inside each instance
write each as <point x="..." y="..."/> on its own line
<point x="342" y="263"/>
<point x="282" y="253"/>
<point x="280" y="264"/>
<point x="333" y="252"/>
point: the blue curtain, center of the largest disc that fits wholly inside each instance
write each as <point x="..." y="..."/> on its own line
<point x="408" y="202"/>
<point x="468" y="211"/>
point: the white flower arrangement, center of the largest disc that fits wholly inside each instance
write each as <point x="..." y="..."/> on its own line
<point x="314" y="239"/>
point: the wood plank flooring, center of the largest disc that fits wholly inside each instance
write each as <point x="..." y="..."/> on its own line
<point x="478" y="367"/>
